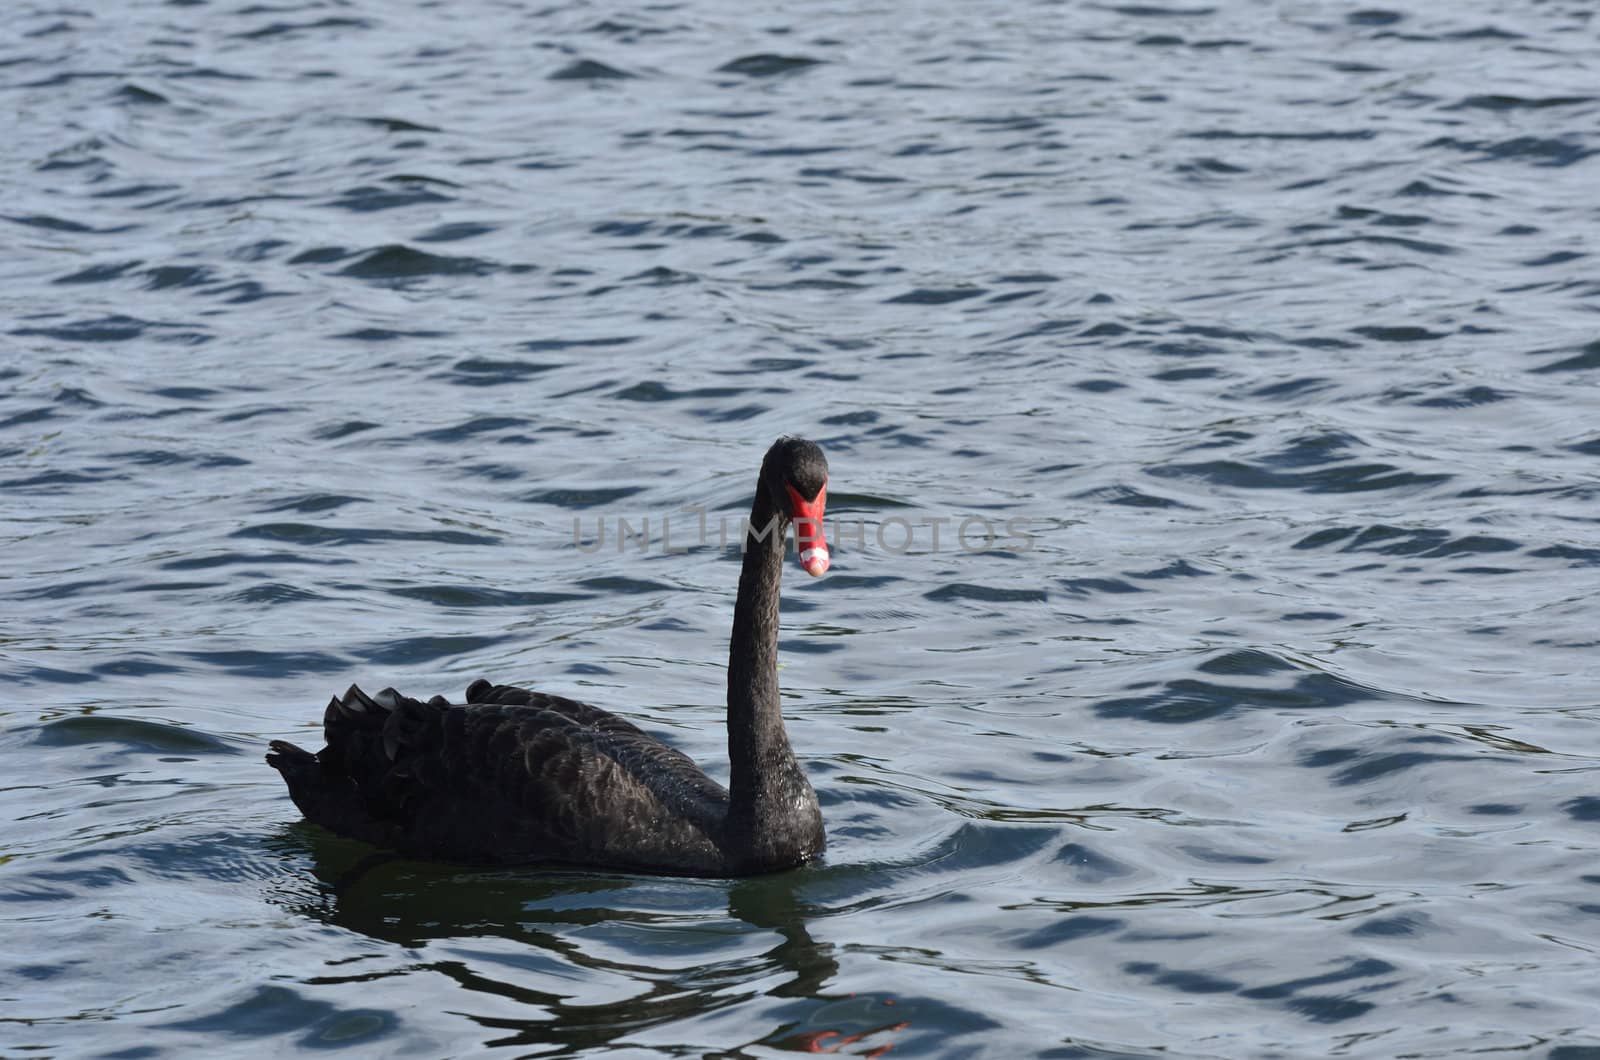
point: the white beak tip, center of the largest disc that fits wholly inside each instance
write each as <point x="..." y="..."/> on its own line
<point x="815" y="561"/>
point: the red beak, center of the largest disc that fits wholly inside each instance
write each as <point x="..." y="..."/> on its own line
<point x="807" y="516"/>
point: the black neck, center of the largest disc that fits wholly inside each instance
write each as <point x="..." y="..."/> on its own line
<point x="766" y="785"/>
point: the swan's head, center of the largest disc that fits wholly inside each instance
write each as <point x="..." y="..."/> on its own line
<point x="796" y="474"/>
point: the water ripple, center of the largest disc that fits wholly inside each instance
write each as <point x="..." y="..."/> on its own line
<point x="1276" y="336"/>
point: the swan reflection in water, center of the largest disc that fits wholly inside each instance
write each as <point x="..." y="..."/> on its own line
<point x="560" y="946"/>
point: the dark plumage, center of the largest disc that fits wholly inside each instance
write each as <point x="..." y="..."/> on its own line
<point x="514" y="777"/>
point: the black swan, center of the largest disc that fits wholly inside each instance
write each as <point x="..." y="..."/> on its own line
<point x="519" y="777"/>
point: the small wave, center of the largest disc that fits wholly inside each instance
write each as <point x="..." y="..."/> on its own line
<point x="58" y="885"/>
<point x="1586" y="358"/>
<point x="267" y="1012"/>
<point x="1274" y="683"/>
<point x="625" y="586"/>
<point x="131" y="736"/>
<point x="307" y="534"/>
<point x="651" y="390"/>
<point x="33" y="415"/>
<point x="455" y="231"/>
<point x="935" y="296"/>
<point x="452" y="596"/>
<point x="1381" y="753"/>
<point x="590" y="70"/>
<point x="954" y="591"/>
<point x="1344" y="478"/>
<point x="334" y="431"/>
<point x="1093" y="586"/>
<point x="271" y="664"/>
<point x="308" y="503"/>
<point x="321" y="27"/>
<point x="51" y="223"/>
<point x="253" y="559"/>
<point x="582" y="498"/>
<point x="1498" y="102"/>
<point x="399" y="192"/>
<point x="484" y="371"/>
<point x="398" y="125"/>
<point x="1574" y="554"/>
<point x="1089" y="866"/>
<point x="271" y="594"/>
<point x="138" y="664"/>
<point x="768" y="64"/>
<point x="1067" y="931"/>
<point x="1431" y="542"/>
<point x="1544" y="151"/>
<point x="1295" y="994"/>
<point x="854" y="175"/>
<point x="101" y="273"/>
<point x="118" y="327"/>
<point x="1128" y="497"/>
<point x="1464" y="397"/>
<point x="412" y="650"/>
<point x="1585" y="808"/>
<point x="472" y="428"/>
<point x="138" y="96"/>
<point x="377" y="334"/>
<point x="169" y="458"/>
<point x="399" y="262"/>
<point x="1292" y="389"/>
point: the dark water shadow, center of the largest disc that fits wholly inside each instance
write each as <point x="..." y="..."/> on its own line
<point x="556" y="911"/>
<point x="670" y="937"/>
<point x="1235" y="681"/>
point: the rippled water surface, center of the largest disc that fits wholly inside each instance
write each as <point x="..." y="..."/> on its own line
<point x="1262" y="339"/>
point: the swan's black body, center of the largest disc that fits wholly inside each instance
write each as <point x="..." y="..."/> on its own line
<point x="517" y="777"/>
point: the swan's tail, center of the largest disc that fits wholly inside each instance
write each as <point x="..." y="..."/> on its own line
<point x="290" y="760"/>
<point x="324" y="785"/>
<point x="310" y="786"/>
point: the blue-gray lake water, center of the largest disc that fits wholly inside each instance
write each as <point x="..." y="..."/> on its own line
<point x="1245" y="359"/>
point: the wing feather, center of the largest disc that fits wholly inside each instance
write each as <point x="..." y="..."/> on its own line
<point x="514" y="775"/>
